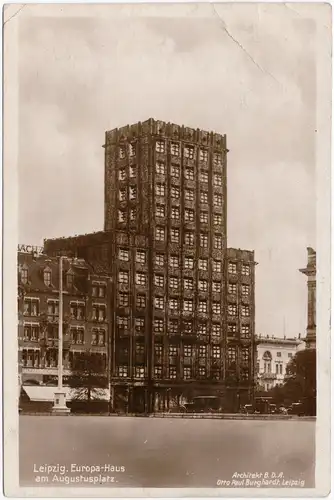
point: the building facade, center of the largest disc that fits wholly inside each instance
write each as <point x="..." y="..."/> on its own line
<point x="310" y="272"/>
<point x="273" y="356"/>
<point x="182" y="303"/>
<point x="86" y="315"/>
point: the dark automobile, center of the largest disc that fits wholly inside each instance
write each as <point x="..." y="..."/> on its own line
<point x="296" y="409"/>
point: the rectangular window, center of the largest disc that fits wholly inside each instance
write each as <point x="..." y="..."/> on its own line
<point x="123" y="277"/>
<point x="122" y="174"/>
<point x="279" y="354"/>
<point x="189" y="174"/>
<point x="204" y="197"/>
<point x="123" y="254"/>
<point x="94" y="337"/>
<point x="160" y="190"/>
<point x="232" y="288"/>
<point x="173" y="326"/>
<point x="203" y="285"/>
<point x="245" y="311"/>
<point x="158" y="350"/>
<point x="218" y="242"/>
<point x="232" y="310"/>
<point x="175" y="172"/>
<point x="77" y="311"/>
<point x="216" y="286"/>
<point x="187" y="351"/>
<point x="141" y="279"/>
<point x="160" y="168"/>
<point x="204" y="218"/>
<point x="139" y="372"/>
<point x="203" y="240"/>
<point x="173" y="304"/>
<point x="121" y="216"/>
<point x="160" y="146"/>
<point x="159" y="302"/>
<point x="217" y="219"/>
<point x="245" y="331"/>
<point x="217" y="200"/>
<point x="188" y="283"/>
<point x="133" y="171"/>
<point x="173" y="282"/>
<point x="139" y="324"/>
<point x="123" y="299"/>
<point x="158" y="371"/>
<point x="217" y="159"/>
<point x="189" y="152"/>
<point x="122" y="322"/>
<point x="160" y="210"/>
<point x="172" y="372"/>
<point x="216" y="330"/>
<point x="187" y="372"/>
<point x="202" y="351"/>
<point x="245" y="289"/>
<point x="160" y="234"/>
<point x="204" y="176"/>
<point x="121" y="152"/>
<point x="189" y="263"/>
<point x="31" y="307"/>
<point x="189" y="238"/>
<point x="102" y="336"/>
<point x="175" y="149"/>
<point x="140" y="349"/>
<point x="189" y="215"/>
<point x="202" y="329"/>
<point x="202" y="306"/>
<point x="188" y="305"/>
<point x="189" y="195"/>
<point x="232" y="268"/>
<point x="174" y="235"/>
<point x="216" y="352"/>
<point x="245" y="270"/>
<point x="159" y="280"/>
<point x="203" y="264"/>
<point x="122" y="194"/>
<point x="217" y="266"/>
<point x="188" y="327"/>
<point x="175" y="214"/>
<point x="158" y="325"/>
<point x="133" y="214"/>
<point x="77" y="335"/>
<point x="172" y="351"/>
<point x="53" y="308"/>
<point x="140" y="256"/>
<point x="280" y="369"/>
<point x="159" y="259"/>
<point x="203" y="155"/>
<point x="174" y="261"/>
<point x="141" y="301"/>
<point x="175" y="192"/>
<point x="216" y="307"/>
<point x="122" y="371"/>
<point x="217" y="180"/>
<point x="231" y="329"/>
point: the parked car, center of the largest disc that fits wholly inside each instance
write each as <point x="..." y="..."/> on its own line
<point x="296" y="409"/>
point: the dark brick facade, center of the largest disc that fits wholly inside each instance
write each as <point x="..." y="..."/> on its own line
<point x="182" y="303"/>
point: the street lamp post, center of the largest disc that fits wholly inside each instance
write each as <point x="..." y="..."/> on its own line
<point x="59" y="406"/>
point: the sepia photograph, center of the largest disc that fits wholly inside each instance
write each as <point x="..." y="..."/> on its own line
<point x="167" y="249"/>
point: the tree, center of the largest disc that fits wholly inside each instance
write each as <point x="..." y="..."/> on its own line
<point x="299" y="382"/>
<point x="88" y="377"/>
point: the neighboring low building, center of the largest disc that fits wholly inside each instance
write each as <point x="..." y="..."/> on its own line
<point x="273" y="356"/>
<point x="86" y="314"/>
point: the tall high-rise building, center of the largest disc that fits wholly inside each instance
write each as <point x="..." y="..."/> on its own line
<point x="183" y="305"/>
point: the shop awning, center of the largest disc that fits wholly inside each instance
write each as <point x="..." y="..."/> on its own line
<point x="46" y="393"/>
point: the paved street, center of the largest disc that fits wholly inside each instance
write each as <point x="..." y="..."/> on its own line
<point x="165" y="452"/>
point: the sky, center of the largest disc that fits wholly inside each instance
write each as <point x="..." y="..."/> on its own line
<point x="247" y="71"/>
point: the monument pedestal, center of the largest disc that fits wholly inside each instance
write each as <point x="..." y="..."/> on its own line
<point x="59" y="407"/>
